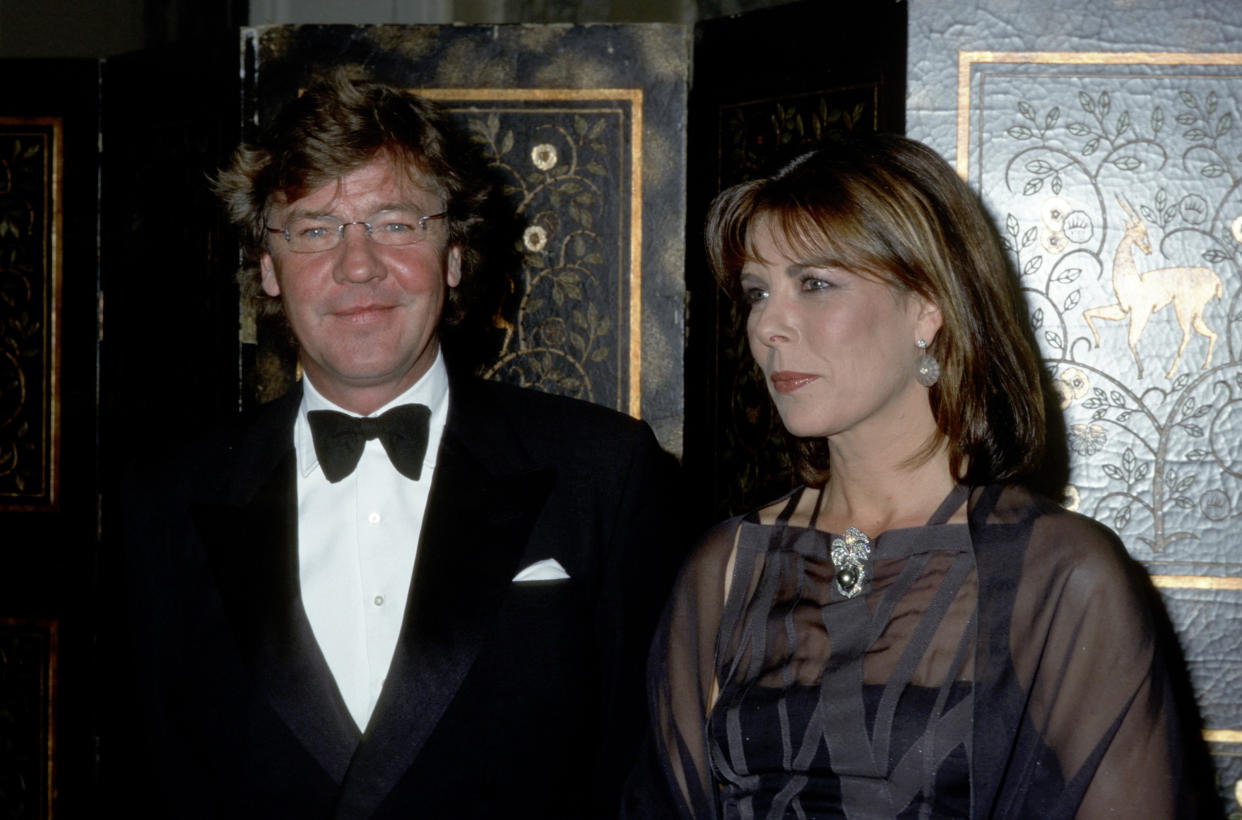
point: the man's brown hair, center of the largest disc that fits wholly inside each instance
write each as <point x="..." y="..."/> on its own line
<point x="337" y="125"/>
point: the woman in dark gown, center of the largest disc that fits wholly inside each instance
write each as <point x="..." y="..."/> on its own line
<point x="912" y="633"/>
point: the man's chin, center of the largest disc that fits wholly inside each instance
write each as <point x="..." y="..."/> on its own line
<point x="367" y="377"/>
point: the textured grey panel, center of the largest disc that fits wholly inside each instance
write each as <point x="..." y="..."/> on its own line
<point x="1117" y="199"/>
<point x="938" y="30"/>
<point x="1157" y="458"/>
<point x="1210" y="616"/>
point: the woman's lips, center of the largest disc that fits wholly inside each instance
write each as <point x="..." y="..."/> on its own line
<point x="784" y="381"/>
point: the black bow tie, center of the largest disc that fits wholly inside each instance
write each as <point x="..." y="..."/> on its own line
<point x="339" y="439"/>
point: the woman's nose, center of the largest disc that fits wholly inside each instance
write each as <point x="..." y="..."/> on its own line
<point x="772" y="321"/>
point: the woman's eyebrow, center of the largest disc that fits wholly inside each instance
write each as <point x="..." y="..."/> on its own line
<point x="799" y="268"/>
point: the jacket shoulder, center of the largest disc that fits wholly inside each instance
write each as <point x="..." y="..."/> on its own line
<point x="538" y="414"/>
<point x="215" y="461"/>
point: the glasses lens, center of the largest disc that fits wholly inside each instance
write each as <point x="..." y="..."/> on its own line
<point x="396" y="228"/>
<point x="309" y="235"/>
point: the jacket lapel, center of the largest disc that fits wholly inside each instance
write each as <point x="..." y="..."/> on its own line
<point x="485" y="497"/>
<point x="251" y="541"/>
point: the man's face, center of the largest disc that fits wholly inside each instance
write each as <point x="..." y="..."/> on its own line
<point x="364" y="314"/>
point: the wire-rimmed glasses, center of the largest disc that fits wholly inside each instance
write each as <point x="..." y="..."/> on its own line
<point x="312" y="234"/>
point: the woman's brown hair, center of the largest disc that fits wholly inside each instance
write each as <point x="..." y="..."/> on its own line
<point x="892" y="208"/>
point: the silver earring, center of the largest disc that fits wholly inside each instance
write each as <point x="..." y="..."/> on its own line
<point x="929" y="369"/>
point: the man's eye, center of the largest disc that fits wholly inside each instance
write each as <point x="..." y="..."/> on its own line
<point x="313" y="232"/>
<point x="396" y="227"/>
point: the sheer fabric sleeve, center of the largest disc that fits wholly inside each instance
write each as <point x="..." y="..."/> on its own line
<point x="1097" y="734"/>
<point x="675" y="779"/>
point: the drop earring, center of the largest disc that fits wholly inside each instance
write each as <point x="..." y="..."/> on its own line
<point x="929" y="369"/>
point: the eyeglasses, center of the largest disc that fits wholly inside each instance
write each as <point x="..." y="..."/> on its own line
<point x="312" y="234"/>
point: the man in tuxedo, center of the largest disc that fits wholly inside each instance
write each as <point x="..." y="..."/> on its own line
<point x="398" y="591"/>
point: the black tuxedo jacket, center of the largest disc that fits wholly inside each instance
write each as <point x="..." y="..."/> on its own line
<point x="502" y="700"/>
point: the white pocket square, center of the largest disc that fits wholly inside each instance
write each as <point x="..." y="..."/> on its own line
<point x="549" y="569"/>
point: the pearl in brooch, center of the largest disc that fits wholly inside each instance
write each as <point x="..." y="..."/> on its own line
<point x="849" y="556"/>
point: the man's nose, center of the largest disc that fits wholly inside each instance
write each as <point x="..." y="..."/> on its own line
<point x="358" y="257"/>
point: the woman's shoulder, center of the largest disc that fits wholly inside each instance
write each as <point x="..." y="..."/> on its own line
<point x="1010" y="506"/>
<point x="1072" y="551"/>
<point x="712" y="553"/>
<point x="714" y="546"/>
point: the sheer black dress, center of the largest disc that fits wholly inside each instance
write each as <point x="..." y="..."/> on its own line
<point x="1004" y="667"/>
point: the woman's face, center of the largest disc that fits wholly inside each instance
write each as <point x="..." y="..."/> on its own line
<point x="838" y="350"/>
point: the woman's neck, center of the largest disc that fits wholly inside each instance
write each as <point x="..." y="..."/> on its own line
<point x="882" y="490"/>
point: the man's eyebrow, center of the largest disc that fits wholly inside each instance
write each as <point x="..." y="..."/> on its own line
<point x="398" y="206"/>
<point x="301" y="213"/>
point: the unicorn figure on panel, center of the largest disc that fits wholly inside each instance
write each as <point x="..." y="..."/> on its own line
<point x="1139" y="295"/>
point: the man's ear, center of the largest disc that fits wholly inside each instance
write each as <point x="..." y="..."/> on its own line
<point x="452" y="268"/>
<point x="268" y="268"/>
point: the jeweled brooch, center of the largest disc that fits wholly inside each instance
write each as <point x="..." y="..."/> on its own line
<point x="849" y="556"/>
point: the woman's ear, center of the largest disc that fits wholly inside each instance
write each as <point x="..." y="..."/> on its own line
<point x="928" y="320"/>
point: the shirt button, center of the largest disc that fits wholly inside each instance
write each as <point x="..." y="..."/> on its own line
<point x="374" y="518"/>
<point x="379" y="600"/>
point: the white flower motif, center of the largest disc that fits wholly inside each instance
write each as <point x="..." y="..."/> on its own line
<point x="544" y="156"/>
<point x="1053" y="212"/>
<point x="535" y="238"/>
<point x="1053" y="241"/>
<point x="1236" y="228"/>
<point x="1072" y="385"/>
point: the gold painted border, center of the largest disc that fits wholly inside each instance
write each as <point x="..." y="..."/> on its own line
<point x="53" y="224"/>
<point x="52" y="670"/>
<point x="1196" y="582"/>
<point x="635" y="97"/>
<point x="967" y="59"/>
<point x="1222" y="736"/>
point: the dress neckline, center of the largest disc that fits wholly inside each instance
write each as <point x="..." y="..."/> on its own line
<point x="947" y="507"/>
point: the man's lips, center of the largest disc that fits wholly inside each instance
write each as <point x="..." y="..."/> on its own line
<point x="786" y="381"/>
<point x="360" y="313"/>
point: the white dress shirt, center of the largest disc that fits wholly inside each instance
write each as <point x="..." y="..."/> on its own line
<point x="356" y="545"/>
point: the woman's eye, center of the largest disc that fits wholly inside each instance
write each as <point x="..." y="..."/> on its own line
<point x="752" y="295"/>
<point x="815" y="284"/>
